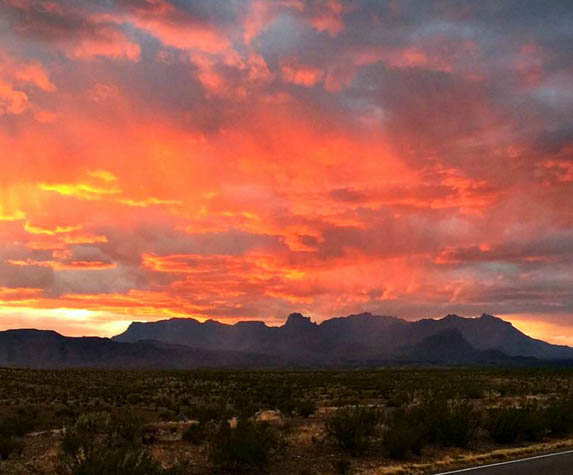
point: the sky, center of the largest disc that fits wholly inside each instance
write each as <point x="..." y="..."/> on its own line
<point x="246" y="159"/>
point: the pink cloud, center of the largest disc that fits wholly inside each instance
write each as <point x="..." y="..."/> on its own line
<point x="302" y="75"/>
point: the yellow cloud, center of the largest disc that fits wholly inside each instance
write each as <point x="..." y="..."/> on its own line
<point x="103" y="175"/>
<point x="148" y="202"/>
<point x="83" y="191"/>
<point x="50" y="231"/>
<point x="12" y="216"/>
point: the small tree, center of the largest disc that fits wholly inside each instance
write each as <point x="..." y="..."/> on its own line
<point x="246" y="446"/>
<point x="195" y="433"/>
<point x="98" y="444"/>
<point x="405" y="433"/>
<point x="352" y="428"/>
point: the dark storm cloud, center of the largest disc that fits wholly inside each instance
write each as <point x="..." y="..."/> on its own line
<point x="24" y="276"/>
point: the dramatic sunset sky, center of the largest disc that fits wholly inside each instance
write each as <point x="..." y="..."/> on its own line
<point x="235" y="159"/>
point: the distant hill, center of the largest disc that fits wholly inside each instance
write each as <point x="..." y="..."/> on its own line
<point x="491" y="333"/>
<point x="362" y="340"/>
<point x="48" y="349"/>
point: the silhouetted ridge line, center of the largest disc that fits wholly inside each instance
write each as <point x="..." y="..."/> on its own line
<point x="357" y="336"/>
<point x="356" y="340"/>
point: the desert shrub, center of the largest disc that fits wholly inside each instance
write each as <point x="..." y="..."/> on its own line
<point x="65" y="412"/>
<point x="472" y="390"/>
<point x="123" y="461"/>
<point x="133" y="399"/>
<point x="284" y="403"/>
<point x="533" y="424"/>
<point x="352" y="428"/>
<point x="405" y="433"/>
<point x="82" y="438"/>
<point x="195" y="433"/>
<point x="448" y="423"/>
<point x="9" y="446"/>
<point x="342" y="466"/>
<point x="460" y="425"/>
<point x="305" y="407"/>
<point x="248" y="445"/>
<point x="504" y="425"/>
<point x="100" y="444"/>
<point x="396" y="399"/>
<point x="559" y="418"/>
<point x="208" y="412"/>
<point x="16" y="426"/>
<point x="125" y="429"/>
<point x="511" y="424"/>
<point x="167" y="414"/>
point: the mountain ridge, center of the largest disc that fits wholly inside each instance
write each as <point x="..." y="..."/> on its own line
<point x="357" y="340"/>
<point x="365" y="334"/>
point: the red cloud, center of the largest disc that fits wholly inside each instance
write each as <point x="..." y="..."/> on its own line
<point x="302" y="75"/>
<point x="242" y="160"/>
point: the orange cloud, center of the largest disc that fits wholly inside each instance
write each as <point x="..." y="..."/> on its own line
<point x="114" y="45"/>
<point x="71" y="265"/>
<point x="302" y="75"/>
<point x="402" y="58"/>
<point x="329" y="18"/>
<point x="244" y="160"/>
<point x="172" y="27"/>
<point x="12" y="101"/>
<point x="15" y="77"/>
<point x="34" y="73"/>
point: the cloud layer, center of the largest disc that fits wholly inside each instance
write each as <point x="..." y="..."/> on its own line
<point x="245" y="159"/>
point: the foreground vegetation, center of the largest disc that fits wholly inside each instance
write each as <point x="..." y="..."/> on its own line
<point x="127" y="422"/>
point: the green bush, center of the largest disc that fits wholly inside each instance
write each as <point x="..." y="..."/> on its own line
<point x="9" y="446"/>
<point x="194" y="433"/>
<point x="438" y="421"/>
<point x="458" y="426"/>
<point x="16" y="426"/>
<point x="504" y="425"/>
<point x="125" y="429"/>
<point x="353" y="428"/>
<point x="11" y="431"/>
<point x="511" y="424"/>
<point x="305" y="407"/>
<point x="100" y="444"/>
<point x="405" y="433"/>
<point x="448" y="423"/>
<point x="83" y="438"/>
<point x="123" y="461"/>
<point x="559" y="418"/>
<point x="247" y="446"/>
<point x="208" y="412"/>
<point x="534" y="425"/>
<point x="342" y="466"/>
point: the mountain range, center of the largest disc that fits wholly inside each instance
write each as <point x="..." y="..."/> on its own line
<point x="361" y="340"/>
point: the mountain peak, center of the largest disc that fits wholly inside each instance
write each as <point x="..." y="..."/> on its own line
<point x="298" y="320"/>
<point x="487" y="316"/>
